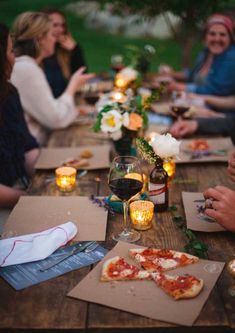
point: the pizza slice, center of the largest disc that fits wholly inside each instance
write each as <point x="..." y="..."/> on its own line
<point x="178" y="286"/>
<point x="117" y="269"/>
<point x="76" y="163"/>
<point x="154" y="260"/>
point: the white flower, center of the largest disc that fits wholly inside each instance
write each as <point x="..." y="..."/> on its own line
<point x="127" y="74"/>
<point x="150" y="49"/>
<point x="166" y="146"/>
<point x="111" y="121"/>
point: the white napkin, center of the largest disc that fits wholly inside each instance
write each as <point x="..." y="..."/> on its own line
<point x="33" y="247"/>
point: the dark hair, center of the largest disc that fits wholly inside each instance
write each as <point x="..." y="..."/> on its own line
<point x="51" y="10"/>
<point x="4" y="65"/>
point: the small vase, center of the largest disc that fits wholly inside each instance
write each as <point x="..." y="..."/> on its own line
<point x="123" y="145"/>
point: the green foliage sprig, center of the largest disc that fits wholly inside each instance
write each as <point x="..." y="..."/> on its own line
<point x="146" y="151"/>
<point x="194" y="245"/>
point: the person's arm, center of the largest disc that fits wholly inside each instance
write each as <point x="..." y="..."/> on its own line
<point x="231" y="166"/>
<point x="37" y="98"/>
<point x="222" y="126"/>
<point x="9" y="196"/>
<point x="30" y="159"/>
<point x="222" y="206"/>
<point x="226" y="103"/>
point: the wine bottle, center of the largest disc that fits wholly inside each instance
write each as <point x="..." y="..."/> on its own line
<point x="158" y="189"/>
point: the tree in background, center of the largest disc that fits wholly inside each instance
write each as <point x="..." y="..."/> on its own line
<point x="192" y="14"/>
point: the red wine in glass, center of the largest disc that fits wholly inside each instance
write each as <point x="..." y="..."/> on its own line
<point x="91" y="98"/>
<point x="179" y="110"/>
<point x="125" y="188"/>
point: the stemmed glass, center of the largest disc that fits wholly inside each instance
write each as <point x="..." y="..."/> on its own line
<point x="125" y="181"/>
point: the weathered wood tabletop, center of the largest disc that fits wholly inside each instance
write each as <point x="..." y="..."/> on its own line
<point x="45" y="307"/>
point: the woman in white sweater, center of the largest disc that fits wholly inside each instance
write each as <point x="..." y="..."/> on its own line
<point x="34" y="42"/>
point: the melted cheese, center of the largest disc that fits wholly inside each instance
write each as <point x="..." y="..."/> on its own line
<point x="165" y="263"/>
<point x="139" y="257"/>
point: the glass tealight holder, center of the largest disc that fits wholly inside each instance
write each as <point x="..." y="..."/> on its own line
<point x="169" y="167"/>
<point x="141" y="213"/>
<point x="66" y="178"/>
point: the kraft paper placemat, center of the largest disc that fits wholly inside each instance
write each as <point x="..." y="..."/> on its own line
<point x="195" y="220"/>
<point x="215" y="144"/>
<point x="36" y="213"/>
<point x="51" y="158"/>
<point x="145" y="297"/>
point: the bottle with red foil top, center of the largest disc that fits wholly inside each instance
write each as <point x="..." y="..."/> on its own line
<point x="158" y="189"/>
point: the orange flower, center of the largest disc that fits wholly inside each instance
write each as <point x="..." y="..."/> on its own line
<point x="135" y="121"/>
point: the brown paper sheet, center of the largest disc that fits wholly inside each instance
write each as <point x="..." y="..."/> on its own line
<point x="38" y="213"/>
<point x="198" y="221"/>
<point x="145" y="297"/>
<point x="214" y="144"/>
<point x="51" y="158"/>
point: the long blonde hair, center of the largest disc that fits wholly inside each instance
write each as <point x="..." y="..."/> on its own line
<point x="63" y="56"/>
<point x="27" y="29"/>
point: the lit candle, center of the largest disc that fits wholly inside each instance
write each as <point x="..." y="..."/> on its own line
<point x="120" y="82"/>
<point x="118" y="96"/>
<point x="141" y="213"/>
<point x="169" y="167"/>
<point x="66" y="178"/>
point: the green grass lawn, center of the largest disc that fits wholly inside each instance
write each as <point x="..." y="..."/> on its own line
<point x="98" y="46"/>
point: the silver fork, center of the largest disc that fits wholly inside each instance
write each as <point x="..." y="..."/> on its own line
<point x="91" y="247"/>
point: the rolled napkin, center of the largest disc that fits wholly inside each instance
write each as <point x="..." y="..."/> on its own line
<point x="33" y="247"/>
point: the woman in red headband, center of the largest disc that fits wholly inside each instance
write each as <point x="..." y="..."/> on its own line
<point x="214" y="69"/>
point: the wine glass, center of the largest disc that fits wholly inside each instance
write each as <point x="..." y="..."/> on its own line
<point x="125" y="181"/>
<point x="116" y="62"/>
<point x="180" y="106"/>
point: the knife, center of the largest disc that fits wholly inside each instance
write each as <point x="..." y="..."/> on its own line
<point x="77" y="248"/>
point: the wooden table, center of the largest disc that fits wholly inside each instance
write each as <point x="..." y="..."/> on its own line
<point x="45" y="307"/>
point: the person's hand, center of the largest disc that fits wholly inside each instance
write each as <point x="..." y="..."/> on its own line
<point x="183" y="127"/>
<point x="222" y="206"/>
<point x="231" y="166"/>
<point x="77" y="80"/>
<point x="67" y="42"/>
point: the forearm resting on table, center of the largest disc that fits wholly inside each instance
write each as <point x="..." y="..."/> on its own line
<point x="9" y="196"/>
<point x="227" y="102"/>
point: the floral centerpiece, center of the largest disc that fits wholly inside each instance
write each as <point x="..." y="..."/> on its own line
<point x="161" y="147"/>
<point x="128" y="77"/>
<point x="122" y="120"/>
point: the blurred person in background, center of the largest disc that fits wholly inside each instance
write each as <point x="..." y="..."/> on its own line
<point x="213" y="72"/>
<point x="18" y="149"/>
<point x="33" y="42"/>
<point x="68" y="55"/>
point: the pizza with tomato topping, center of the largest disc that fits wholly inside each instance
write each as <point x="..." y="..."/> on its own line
<point x="199" y="145"/>
<point x="117" y="269"/>
<point x="155" y="260"/>
<point x="76" y="163"/>
<point x="178" y="286"/>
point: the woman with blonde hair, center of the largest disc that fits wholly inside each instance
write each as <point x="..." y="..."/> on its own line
<point x="68" y="56"/>
<point x="34" y="42"/>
